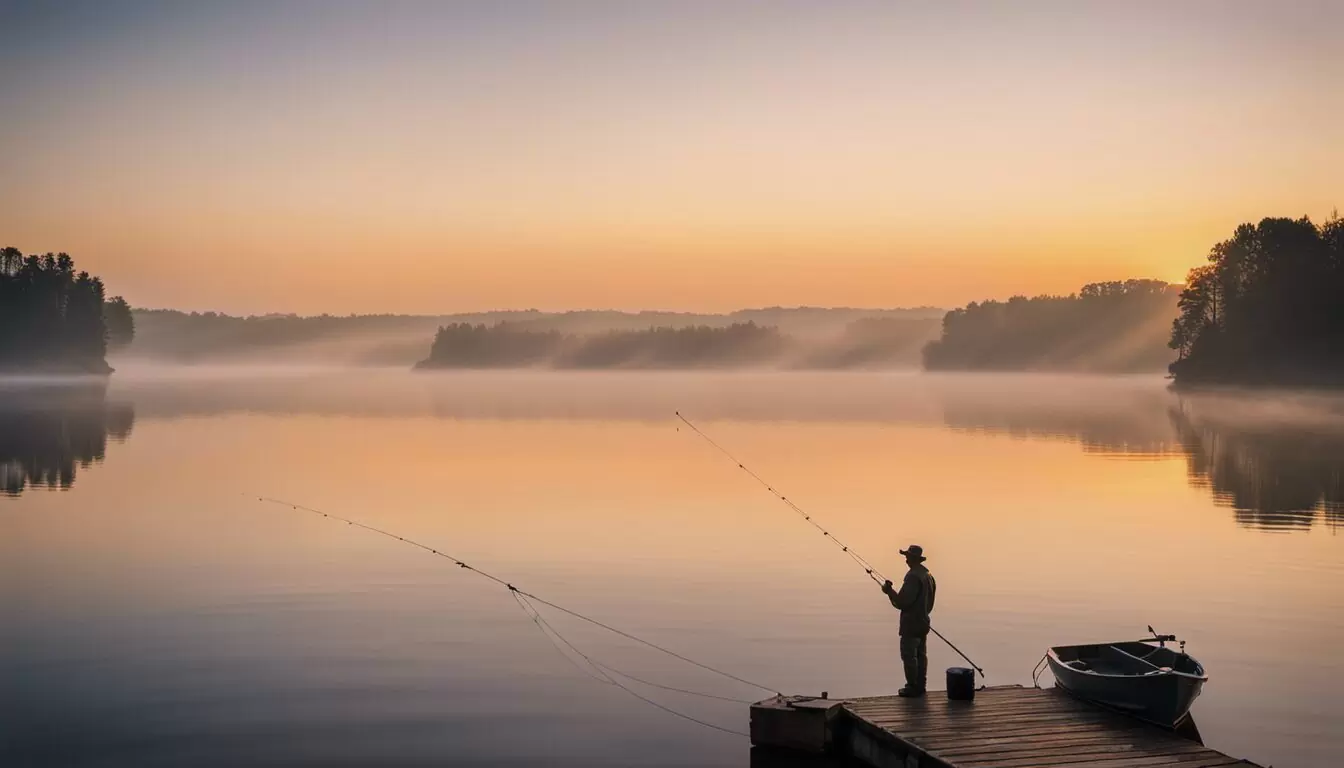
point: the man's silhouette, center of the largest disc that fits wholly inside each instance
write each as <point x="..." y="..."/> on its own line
<point x="915" y="601"/>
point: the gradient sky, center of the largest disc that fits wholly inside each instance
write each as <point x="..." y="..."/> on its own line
<point x="438" y="157"/>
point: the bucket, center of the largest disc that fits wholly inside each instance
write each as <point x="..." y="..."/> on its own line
<point x="960" y="684"/>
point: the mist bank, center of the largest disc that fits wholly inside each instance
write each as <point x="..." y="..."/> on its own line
<point x="1107" y="327"/>
<point x="812" y="337"/>
<point x="1266" y="310"/>
<point x="1270" y="455"/>
<point x="874" y="342"/>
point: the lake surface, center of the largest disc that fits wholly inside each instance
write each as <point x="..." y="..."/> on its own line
<point x="156" y="613"/>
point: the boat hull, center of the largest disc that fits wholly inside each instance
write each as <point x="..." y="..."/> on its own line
<point x="1157" y="693"/>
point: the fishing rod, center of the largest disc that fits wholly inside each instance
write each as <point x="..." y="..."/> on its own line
<point x="868" y="567"/>
<point x="525" y="600"/>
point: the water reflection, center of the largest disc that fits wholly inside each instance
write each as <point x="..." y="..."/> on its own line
<point x="1275" y="459"/>
<point x="191" y="604"/>
<point x="1281" y="477"/>
<point x="48" y="431"/>
<point x="1102" y="418"/>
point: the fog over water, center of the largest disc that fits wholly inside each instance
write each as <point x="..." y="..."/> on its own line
<point x="807" y="337"/>
<point x="158" y="614"/>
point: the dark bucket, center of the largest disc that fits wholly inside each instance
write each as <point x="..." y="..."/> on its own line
<point x="960" y="684"/>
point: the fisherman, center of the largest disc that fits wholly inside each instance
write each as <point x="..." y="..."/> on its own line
<point x="915" y="602"/>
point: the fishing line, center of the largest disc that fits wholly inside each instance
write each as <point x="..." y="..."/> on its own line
<point x="608" y="668"/>
<point x="595" y="673"/>
<point x="868" y="567"/>
<point x="459" y="563"/>
<point x="606" y="679"/>
<point x="525" y="600"/>
<point x="602" y="667"/>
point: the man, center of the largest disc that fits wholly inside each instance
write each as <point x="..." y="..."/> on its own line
<point x="915" y="602"/>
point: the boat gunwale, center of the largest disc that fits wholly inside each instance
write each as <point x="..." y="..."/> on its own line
<point x="1053" y="656"/>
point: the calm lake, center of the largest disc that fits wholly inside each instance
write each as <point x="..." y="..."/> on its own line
<point x="154" y="612"/>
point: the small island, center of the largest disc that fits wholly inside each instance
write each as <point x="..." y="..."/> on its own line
<point x="56" y="320"/>
<point x="506" y="345"/>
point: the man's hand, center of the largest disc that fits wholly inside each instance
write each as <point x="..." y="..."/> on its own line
<point x="887" y="587"/>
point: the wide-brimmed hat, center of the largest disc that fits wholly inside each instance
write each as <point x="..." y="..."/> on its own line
<point x="915" y="551"/>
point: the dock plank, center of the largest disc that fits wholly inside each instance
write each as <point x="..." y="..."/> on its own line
<point x="1030" y="744"/>
<point x="1043" y="749"/>
<point x="1020" y="730"/>
<point x="1016" y="727"/>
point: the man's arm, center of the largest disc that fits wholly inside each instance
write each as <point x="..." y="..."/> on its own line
<point x="907" y="595"/>
<point x="890" y="593"/>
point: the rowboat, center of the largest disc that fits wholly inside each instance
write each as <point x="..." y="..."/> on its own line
<point x="1152" y="683"/>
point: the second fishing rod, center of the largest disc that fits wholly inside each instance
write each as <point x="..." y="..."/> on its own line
<point x="867" y="566"/>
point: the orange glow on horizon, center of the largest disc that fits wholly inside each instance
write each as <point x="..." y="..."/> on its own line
<point x="702" y="158"/>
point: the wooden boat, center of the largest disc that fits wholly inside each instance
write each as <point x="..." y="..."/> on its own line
<point x="1153" y="683"/>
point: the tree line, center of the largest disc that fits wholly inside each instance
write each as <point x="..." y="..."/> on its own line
<point x="1267" y="308"/>
<point x="172" y="335"/>
<point x="1118" y="326"/>
<point x="53" y="317"/>
<point x="506" y="345"/>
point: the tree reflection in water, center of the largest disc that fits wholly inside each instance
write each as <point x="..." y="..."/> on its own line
<point x="48" y="432"/>
<point x="1276" y="459"/>
<point x="1274" y="477"/>
<point x="1276" y="472"/>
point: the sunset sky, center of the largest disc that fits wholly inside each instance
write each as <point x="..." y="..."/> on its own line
<point x="438" y="157"/>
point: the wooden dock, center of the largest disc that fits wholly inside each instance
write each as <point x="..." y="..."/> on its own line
<point x="1005" y="727"/>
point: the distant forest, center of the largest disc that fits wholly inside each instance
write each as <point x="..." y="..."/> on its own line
<point x="462" y="345"/>
<point x="812" y="337"/>
<point x="1268" y="308"/>
<point x="1112" y="327"/>
<point x="53" y="318"/>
